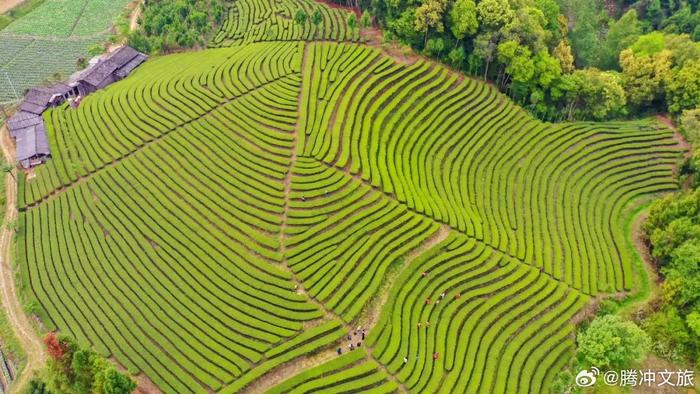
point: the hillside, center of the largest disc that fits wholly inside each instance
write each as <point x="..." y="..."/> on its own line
<point x="220" y="214"/>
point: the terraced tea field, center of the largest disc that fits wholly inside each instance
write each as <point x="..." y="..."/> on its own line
<point x="273" y="20"/>
<point x="222" y="221"/>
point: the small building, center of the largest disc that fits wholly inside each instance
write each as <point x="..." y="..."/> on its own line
<point x="37" y="100"/>
<point x="32" y="146"/>
<point x="22" y="121"/>
<point x="114" y="67"/>
<point x="27" y="126"/>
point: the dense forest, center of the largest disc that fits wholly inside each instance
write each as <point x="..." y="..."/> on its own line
<point x="561" y="59"/>
<point x="673" y="231"/>
<point x="165" y="26"/>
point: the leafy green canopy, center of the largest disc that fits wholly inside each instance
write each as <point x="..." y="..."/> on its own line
<point x="610" y="342"/>
<point x="166" y="25"/>
<point x="73" y="370"/>
<point x="673" y="228"/>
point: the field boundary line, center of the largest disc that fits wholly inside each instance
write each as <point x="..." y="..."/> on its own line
<point x="25" y="332"/>
<point x="77" y="20"/>
<point x="318" y="358"/>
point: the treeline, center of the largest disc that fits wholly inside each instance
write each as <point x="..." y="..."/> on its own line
<point x="673" y="231"/>
<point x="596" y="47"/>
<point x="525" y="48"/>
<point x="169" y="25"/>
<point x="73" y="370"/>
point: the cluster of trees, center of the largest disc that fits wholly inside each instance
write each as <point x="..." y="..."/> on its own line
<point x="609" y="343"/>
<point x="673" y="229"/>
<point x="78" y="371"/>
<point x="168" y="25"/>
<point x="615" y="68"/>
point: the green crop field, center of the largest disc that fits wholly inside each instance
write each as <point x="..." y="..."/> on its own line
<point x="272" y="20"/>
<point x="49" y="40"/>
<point x="221" y="220"/>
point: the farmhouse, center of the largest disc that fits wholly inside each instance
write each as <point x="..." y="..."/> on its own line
<point x="37" y="100"/>
<point x="115" y="66"/>
<point x="26" y="125"/>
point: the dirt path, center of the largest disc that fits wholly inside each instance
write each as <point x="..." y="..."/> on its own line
<point x="6" y="5"/>
<point x="368" y="317"/>
<point x="134" y="17"/>
<point x="27" y="336"/>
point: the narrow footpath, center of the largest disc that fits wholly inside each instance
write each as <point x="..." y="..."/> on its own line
<point x="22" y="327"/>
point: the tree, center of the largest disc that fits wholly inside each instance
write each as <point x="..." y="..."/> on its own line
<point x="114" y="382"/>
<point x="611" y="342"/>
<point x="494" y="14"/>
<point x="366" y="19"/>
<point x="429" y="15"/>
<point x="684" y="270"/>
<point x="599" y="94"/>
<point x="683" y="88"/>
<point x="316" y="18"/>
<point x="527" y="27"/>
<point x="457" y="57"/>
<point x="37" y="386"/>
<point x="462" y="19"/>
<point x="8" y="168"/>
<point x="682" y="48"/>
<point x="435" y="46"/>
<point x="547" y="69"/>
<point x="352" y="21"/>
<point x="644" y="76"/>
<point x="690" y="125"/>
<point x="82" y="369"/>
<point x="517" y="60"/>
<point x="585" y="35"/>
<point x="485" y="46"/>
<point x="621" y="34"/>
<point x="654" y="13"/>
<point x="96" y="49"/>
<point x="57" y="347"/>
<point x="300" y="17"/>
<point x="552" y="13"/>
<point x="405" y="27"/>
<point x="563" y="53"/>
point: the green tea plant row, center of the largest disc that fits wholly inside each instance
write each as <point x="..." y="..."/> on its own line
<point x="351" y="372"/>
<point x="345" y="236"/>
<point x="476" y="321"/>
<point x="459" y="152"/>
<point x="27" y="62"/>
<point x="115" y="122"/>
<point x="273" y="20"/>
<point x="310" y="341"/>
<point x="177" y="272"/>
<point x="167" y="259"/>
<point x="69" y="18"/>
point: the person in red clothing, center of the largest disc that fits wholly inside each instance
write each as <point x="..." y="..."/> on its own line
<point x="436" y="355"/>
<point x="427" y="301"/>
